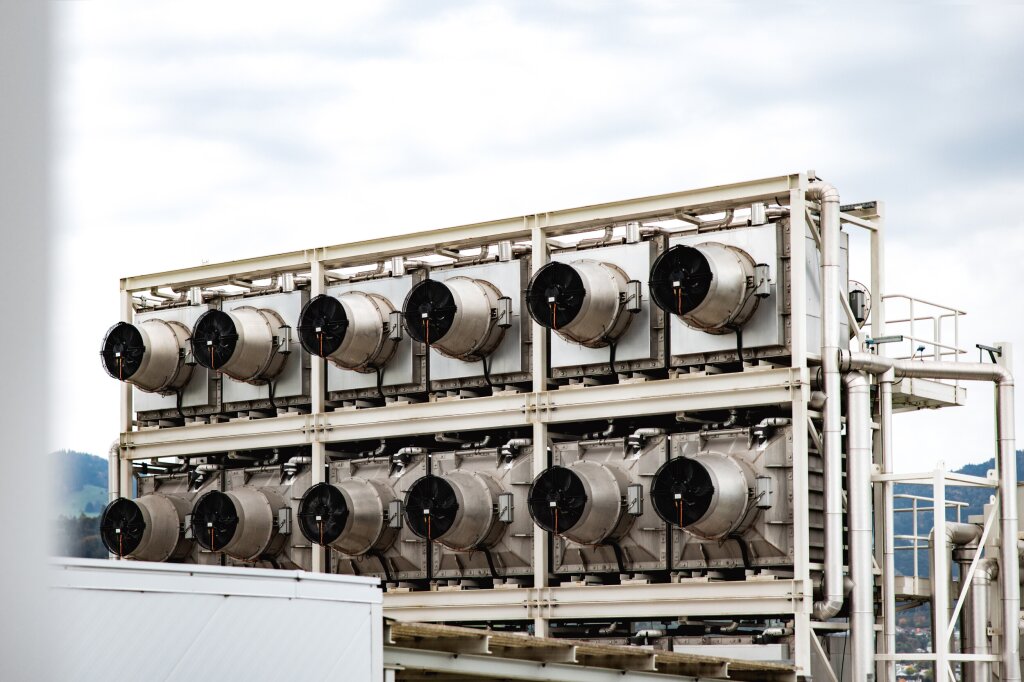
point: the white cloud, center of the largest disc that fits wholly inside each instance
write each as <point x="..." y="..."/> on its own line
<point x="219" y="131"/>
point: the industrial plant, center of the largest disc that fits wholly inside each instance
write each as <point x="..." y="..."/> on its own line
<point x="661" y="424"/>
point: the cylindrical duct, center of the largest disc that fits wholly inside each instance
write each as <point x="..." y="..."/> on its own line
<point x="240" y="343"/>
<point x="707" y="495"/>
<point x="458" y="511"/>
<point x="584" y="502"/>
<point x="149" y="528"/>
<point x="242" y="523"/>
<point x="350" y="330"/>
<point x="351" y="516"/>
<point x="458" y="316"/>
<point x="582" y="301"/>
<point x="709" y="285"/>
<point x="149" y="355"/>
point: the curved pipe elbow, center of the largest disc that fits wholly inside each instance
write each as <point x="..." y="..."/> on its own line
<point x="827" y="608"/>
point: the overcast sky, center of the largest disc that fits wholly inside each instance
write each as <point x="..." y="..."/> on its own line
<point x="194" y="132"/>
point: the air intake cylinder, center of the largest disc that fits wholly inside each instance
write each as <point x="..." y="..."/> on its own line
<point x="710" y="285"/>
<point x="708" y="495"/>
<point x="351" y="330"/>
<point x="351" y="516"/>
<point x="458" y="317"/>
<point x="242" y="523"/>
<point x="583" y="301"/>
<point x="149" y="528"/>
<point x="457" y="511"/>
<point x="242" y="343"/>
<point x="585" y="502"/>
<point x="149" y="355"/>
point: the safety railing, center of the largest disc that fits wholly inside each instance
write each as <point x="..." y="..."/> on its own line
<point x="930" y="330"/>
<point x="915" y="542"/>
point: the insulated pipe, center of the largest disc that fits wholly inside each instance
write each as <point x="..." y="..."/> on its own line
<point x="1007" y="464"/>
<point x="975" y="620"/>
<point x="956" y="535"/>
<point x="885" y="380"/>
<point x="832" y="598"/>
<point x="858" y="478"/>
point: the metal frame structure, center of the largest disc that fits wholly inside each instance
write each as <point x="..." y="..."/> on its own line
<point x="540" y="408"/>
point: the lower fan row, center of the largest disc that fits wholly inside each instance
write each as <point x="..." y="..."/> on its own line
<point x="613" y="508"/>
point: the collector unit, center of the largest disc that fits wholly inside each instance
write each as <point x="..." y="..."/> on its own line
<point x="244" y="523"/>
<point x="473" y="511"/>
<point x="595" y="301"/>
<point x="360" y="512"/>
<point x="469" y="317"/>
<point x="148" y="528"/>
<point x="592" y="503"/>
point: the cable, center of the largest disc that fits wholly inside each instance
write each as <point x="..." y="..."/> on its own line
<point x="380" y="381"/>
<point x="619" y="559"/>
<point x="487" y="372"/>
<point x="490" y="562"/>
<point x="739" y="341"/>
<point x="744" y="550"/>
<point x="612" y="345"/>
<point x="271" y="387"/>
<point x="177" y="402"/>
<point x="383" y="564"/>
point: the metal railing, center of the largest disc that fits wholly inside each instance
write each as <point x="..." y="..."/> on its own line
<point x="924" y="326"/>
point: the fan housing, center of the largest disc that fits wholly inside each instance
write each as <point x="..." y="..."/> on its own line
<point x="242" y="523"/>
<point x="149" y="355"/>
<point x="584" y="502"/>
<point x="350" y="516"/>
<point x="150" y="528"/>
<point x="350" y="330"/>
<point x="457" y="317"/>
<point x="710" y="285"/>
<point x="583" y="301"/>
<point x="242" y="343"/>
<point x="708" y="495"/>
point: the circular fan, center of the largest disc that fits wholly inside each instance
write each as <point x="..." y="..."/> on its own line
<point x="680" y="279"/>
<point x="682" y="491"/>
<point x="429" y="311"/>
<point x="322" y="325"/>
<point x="213" y="339"/>
<point x="557" y="499"/>
<point x="122" y="351"/>
<point x="122" y="526"/>
<point x="430" y="507"/>
<point x="555" y="295"/>
<point x="322" y="514"/>
<point x="214" y="520"/>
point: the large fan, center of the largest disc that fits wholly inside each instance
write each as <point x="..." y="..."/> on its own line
<point x="214" y="520"/>
<point x="322" y="514"/>
<point x="122" y="351"/>
<point x="430" y="507"/>
<point x="322" y="325"/>
<point x="214" y="339"/>
<point x="122" y="527"/>
<point x="682" y="491"/>
<point x="555" y="295"/>
<point x="557" y="499"/>
<point x="429" y="311"/>
<point x="680" y="279"/>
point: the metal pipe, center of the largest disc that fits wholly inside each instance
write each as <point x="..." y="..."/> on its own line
<point x="1006" y="460"/>
<point x="597" y="241"/>
<point x="832" y="597"/>
<point x="974" y="628"/>
<point x="885" y="380"/>
<point x="476" y="444"/>
<point x="443" y="438"/>
<point x="858" y="478"/>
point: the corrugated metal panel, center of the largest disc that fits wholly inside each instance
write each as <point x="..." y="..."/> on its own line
<point x="126" y="621"/>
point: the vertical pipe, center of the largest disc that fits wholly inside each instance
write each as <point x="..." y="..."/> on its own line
<point x="940" y="577"/>
<point x="858" y="482"/>
<point x="832" y="598"/>
<point x="317" y="391"/>
<point x="1010" y="581"/>
<point x="539" y="349"/>
<point x="974" y="623"/>
<point x="885" y="381"/>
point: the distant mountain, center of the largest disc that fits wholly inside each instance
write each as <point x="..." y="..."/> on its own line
<point x="82" y="483"/>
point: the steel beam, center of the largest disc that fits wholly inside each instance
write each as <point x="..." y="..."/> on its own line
<point x="761" y="387"/>
<point x="661" y="600"/>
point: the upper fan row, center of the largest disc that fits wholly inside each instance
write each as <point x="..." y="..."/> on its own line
<point x="597" y="303"/>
